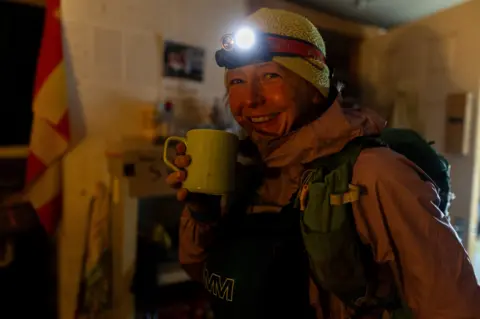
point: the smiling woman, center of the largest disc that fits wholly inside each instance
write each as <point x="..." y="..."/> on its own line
<point x="263" y="99"/>
<point x="326" y="220"/>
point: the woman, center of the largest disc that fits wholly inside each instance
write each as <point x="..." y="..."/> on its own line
<point x="251" y="256"/>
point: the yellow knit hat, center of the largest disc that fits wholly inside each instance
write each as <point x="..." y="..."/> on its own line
<point x="285" y="23"/>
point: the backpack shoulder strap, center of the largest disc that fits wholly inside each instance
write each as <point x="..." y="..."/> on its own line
<point x="324" y="165"/>
<point x="327" y="227"/>
<point x="349" y="153"/>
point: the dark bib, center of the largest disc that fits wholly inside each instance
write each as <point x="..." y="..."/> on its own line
<point x="258" y="268"/>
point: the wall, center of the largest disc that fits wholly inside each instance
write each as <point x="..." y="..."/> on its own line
<point x="434" y="56"/>
<point x="115" y="72"/>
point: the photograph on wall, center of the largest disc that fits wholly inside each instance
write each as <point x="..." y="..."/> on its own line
<point x="183" y="61"/>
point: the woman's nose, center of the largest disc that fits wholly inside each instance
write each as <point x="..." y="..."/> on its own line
<point x="255" y="99"/>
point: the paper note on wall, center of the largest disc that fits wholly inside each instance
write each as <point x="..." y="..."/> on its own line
<point x="406" y="112"/>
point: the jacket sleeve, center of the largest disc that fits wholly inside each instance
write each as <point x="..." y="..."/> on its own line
<point x="195" y="235"/>
<point x="197" y="230"/>
<point x="399" y="217"/>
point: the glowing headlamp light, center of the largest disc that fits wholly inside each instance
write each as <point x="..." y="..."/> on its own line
<point x="244" y="39"/>
<point x="247" y="47"/>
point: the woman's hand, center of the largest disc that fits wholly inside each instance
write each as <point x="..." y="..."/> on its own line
<point x="196" y="202"/>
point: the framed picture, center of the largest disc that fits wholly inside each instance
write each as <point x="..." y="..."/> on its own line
<point x="183" y="61"/>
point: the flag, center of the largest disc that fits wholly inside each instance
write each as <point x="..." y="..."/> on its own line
<point x="50" y="134"/>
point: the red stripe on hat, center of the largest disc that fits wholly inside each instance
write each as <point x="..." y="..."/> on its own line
<point x="294" y="47"/>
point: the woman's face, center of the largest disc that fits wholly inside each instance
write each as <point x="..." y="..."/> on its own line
<point x="269" y="99"/>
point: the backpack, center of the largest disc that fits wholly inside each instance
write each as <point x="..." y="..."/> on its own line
<point x="411" y="145"/>
<point x="339" y="262"/>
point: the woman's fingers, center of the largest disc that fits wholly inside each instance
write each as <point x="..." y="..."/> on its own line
<point x="181" y="148"/>
<point x="182" y="194"/>
<point x="182" y="161"/>
<point x="175" y="179"/>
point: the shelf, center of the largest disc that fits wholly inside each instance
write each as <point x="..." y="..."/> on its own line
<point x="14" y="152"/>
<point x="171" y="273"/>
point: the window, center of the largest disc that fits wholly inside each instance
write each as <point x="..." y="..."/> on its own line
<point x="20" y="35"/>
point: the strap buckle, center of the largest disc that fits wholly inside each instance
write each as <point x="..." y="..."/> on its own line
<point x="351" y="196"/>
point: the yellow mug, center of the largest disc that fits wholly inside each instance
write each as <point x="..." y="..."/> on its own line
<point x="213" y="158"/>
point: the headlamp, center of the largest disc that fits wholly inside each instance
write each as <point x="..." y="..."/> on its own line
<point x="244" y="38"/>
<point x="247" y="47"/>
<point x="227" y="42"/>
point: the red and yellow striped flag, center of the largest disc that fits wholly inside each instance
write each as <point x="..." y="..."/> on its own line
<point x="50" y="135"/>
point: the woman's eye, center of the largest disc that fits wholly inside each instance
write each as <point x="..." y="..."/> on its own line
<point x="269" y="76"/>
<point x="236" y="81"/>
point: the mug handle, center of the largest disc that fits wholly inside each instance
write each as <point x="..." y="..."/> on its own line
<point x="165" y="150"/>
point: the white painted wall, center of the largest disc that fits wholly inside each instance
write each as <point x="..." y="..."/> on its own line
<point x="116" y="71"/>
<point x="437" y="55"/>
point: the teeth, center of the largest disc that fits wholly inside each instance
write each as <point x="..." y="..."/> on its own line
<point x="262" y="119"/>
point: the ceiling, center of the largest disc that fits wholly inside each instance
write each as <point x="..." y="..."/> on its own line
<point x="383" y="13"/>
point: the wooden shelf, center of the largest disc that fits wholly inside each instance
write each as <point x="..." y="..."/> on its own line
<point x="20" y="151"/>
<point x="170" y="274"/>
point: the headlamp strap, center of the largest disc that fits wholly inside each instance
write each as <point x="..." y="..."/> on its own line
<point x="293" y="47"/>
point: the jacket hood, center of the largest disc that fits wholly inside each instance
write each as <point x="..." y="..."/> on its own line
<point x="324" y="136"/>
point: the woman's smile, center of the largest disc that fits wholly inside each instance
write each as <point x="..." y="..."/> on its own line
<point x="262" y="118"/>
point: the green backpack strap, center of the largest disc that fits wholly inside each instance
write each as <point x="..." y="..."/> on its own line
<point x="341" y="162"/>
<point x="339" y="262"/>
<point x="337" y="255"/>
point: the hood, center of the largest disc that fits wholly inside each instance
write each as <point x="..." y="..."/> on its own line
<point x="325" y="136"/>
